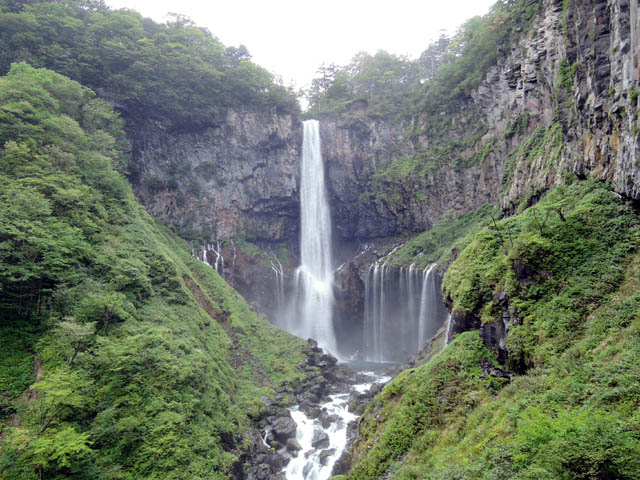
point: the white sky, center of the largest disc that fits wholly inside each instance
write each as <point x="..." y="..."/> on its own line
<point x="292" y="38"/>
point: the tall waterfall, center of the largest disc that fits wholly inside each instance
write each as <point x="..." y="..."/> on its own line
<point x="314" y="277"/>
<point x="403" y="309"/>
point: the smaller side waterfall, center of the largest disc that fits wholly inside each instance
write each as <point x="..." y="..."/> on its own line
<point x="403" y="309"/>
<point x="278" y="271"/>
<point x="212" y="256"/>
<point x="427" y="304"/>
<point x="448" y="330"/>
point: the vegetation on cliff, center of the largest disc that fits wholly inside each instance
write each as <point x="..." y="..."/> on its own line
<point x="443" y="242"/>
<point x="176" y="74"/>
<point x="436" y="83"/>
<point x="569" y="270"/>
<point x="121" y="356"/>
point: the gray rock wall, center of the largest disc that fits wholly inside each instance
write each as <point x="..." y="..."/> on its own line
<point x="237" y="179"/>
<point x="241" y="178"/>
<point x="599" y="41"/>
<point x="355" y="147"/>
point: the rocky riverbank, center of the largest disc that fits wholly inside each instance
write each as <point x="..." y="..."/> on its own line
<point x="274" y="441"/>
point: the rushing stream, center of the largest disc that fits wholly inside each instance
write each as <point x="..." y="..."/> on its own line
<point x="323" y="445"/>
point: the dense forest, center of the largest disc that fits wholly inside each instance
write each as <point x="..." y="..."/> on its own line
<point x="177" y="74"/>
<point x="139" y="348"/>
<point x="438" y="82"/>
<point x="125" y="354"/>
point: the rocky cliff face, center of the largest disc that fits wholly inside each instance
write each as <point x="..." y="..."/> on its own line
<point x="569" y="90"/>
<point x="565" y="99"/>
<point x="364" y="206"/>
<point x="239" y="178"/>
<point x="579" y="70"/>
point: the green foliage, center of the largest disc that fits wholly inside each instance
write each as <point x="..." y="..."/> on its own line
<point x="390" y="86"/>
<point x="567" y="74"/>
<point x="417" y="403"/>
<point x="518" y="127"/>
<point x="439" y="244"/>
<point x="386" y="84"/>
<point x="571" y="271"/>
<point x="573" y="444"/>
<point x="174" y="73"/>
<point x="140" y="349"/>
<point x="544" y="144"/>
<point x="16" y="364"/>
<point x="472" y="51"/>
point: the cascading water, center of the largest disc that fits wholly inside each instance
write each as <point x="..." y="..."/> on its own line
<point x="321" y="446"/>
<point x="403" y="309"/>
<point x="278" y="270"/>
<point x="447" y="338"/>
<point x="427" y="305"/>
<point x="374" y="312"/>
<point x="313" y="288"/>
<point x="207" y="257"/>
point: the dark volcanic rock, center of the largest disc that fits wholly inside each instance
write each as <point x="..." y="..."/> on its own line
<point x="293" y="445"/>
<point x="320" y="439"/>
<point x="461" y="322"/>
<point x="236" y="178"/>
<point x="283" y="428"/>
<point x="325" y="454"/>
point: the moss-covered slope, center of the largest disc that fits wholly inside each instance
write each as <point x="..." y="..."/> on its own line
<point x="121" y="356"/>
<point x="570" y="269"/>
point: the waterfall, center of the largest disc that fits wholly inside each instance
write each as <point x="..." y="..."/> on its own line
<point x="218" y="263"/>
<point x="427" y="304"/>
<point x="278" y="270"/>
<point x="314" y="277"/>
<point x="403" y="308"/>
<point x="374" y="311"/>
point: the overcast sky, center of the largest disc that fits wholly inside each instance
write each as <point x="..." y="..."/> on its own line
<point x="291" y="38"/>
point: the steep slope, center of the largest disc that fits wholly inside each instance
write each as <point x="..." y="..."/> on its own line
<point x="561" y="278"/>
<point x="122" y="356"/>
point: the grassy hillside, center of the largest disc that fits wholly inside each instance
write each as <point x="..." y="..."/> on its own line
<point x="444" y="240"/>
<point x="121" y="356"/>
<point x="570" y="269"/>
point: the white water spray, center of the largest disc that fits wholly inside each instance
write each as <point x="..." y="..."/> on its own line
<point x="426" y="303"/>
<point x="315" y="274"/>
<point x="403" y="309"/>
<point x="316" y="462"/>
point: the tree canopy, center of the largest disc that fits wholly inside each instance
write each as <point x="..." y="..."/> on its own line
<point x="175" y="73"/>
<point x="440" y="80"/>
<point x="107" y="361"/>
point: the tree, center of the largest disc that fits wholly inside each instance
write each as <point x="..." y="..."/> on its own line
<point x="78" y="334"/>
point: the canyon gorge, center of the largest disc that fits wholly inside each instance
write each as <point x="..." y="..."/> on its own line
<point x="431" y="273"/>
